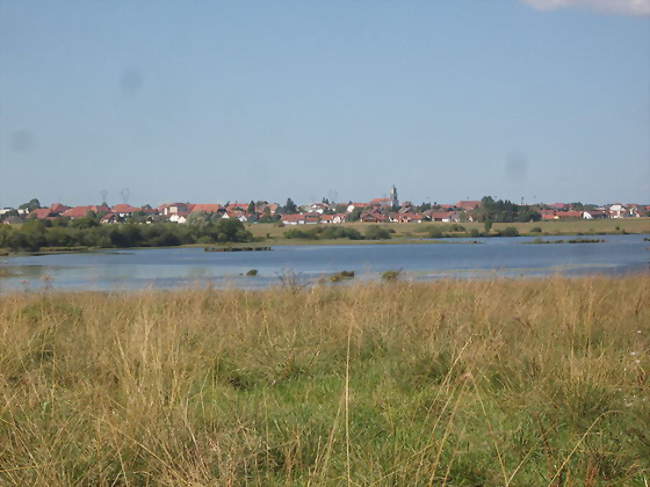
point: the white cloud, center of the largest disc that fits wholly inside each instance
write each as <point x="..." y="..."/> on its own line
<point x="627" y="7"/>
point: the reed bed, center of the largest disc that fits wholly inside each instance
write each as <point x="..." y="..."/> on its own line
<point x="456" y="383"/>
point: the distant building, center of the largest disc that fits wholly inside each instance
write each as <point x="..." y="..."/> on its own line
<point x="393" y="198"/>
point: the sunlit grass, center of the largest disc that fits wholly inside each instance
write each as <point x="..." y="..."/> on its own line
<point x="275" y="234"/>
<point x="502" y="382"/>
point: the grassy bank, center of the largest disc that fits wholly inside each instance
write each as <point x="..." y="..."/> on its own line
<point x="540" y="382"/>
<point x="274" y="234"/>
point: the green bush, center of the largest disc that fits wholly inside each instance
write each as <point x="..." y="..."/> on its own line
<point x="509" y="232"/>
<point x="375" y="232"/>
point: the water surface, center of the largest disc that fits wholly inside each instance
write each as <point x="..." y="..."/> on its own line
<point x="180" y="267"/>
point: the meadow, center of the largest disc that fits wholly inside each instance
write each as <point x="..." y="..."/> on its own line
<point x="275" y="234"/>
<point x="455" y="383"/>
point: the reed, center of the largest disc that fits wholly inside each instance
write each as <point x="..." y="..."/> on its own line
<point x="502" y="382"/>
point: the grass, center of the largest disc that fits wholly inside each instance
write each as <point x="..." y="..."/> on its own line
<point x="456" y="383"/>
<point x="274" y="234"/>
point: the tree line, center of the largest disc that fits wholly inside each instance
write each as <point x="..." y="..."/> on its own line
<point x="34" y="235"/>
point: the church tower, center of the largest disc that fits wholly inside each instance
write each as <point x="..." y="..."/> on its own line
<point x="394" y="202"/>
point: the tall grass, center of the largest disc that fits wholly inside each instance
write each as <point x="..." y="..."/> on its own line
<point x="541" y="382"/>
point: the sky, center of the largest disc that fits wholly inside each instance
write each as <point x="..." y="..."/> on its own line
<point x="153" y="102"/>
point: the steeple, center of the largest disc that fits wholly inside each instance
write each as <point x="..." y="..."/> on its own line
<point x="393" y="198"/>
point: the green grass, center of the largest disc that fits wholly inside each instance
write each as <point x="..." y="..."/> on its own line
<point x="504" y="382"/>
<point x="274" y="234"/>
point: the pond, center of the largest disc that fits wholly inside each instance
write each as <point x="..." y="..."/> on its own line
<point x="455" y="258"/>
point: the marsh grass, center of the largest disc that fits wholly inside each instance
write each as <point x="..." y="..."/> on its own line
<point x="504" y="382"/>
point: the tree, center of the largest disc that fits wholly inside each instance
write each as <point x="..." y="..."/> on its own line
<point x="231" y="230"/>
<point x="31" y="205"/>
<point x="487" y="226"/>
<point x="290" y="207"/>
<point x="355" y="215"/>
<point x="251" y="208"/>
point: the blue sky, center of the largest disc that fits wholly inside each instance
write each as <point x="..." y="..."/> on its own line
<point x="548" y="100"/>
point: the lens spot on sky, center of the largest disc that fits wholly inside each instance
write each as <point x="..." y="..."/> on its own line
<point x="22" y="141"/>
<point x="516" y="168"/>
<point x="130" y="82"/>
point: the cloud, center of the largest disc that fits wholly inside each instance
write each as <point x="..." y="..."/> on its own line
<point x="626" y="7"/>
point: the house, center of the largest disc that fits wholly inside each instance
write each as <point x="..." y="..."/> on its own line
<point x="382" y="202"/>
<point x="296" y="219"/>
<point x="468" y="205"/>
<point x="617" y="210"/>
<point x="594" y="214"/>
<point x="548" y="214"/>
<point x="373" y="217"/>
<point x="237" y="207"/>
<point x="334" y="219"/>
<point x="41" y="214"/>
<point x="311" y="218"/>
<point x="561" y="214"/>
<point x="327" y="219"/>
<point x="179" y="217"/>
<point x="236" y="214"/>
<point x="319" y="208"/>
<point x="206" y="208"/>
<point x="123" y="210"/>
<point x="441" y="216"/>
<point x="353" y="206"/>
<point x="58" y="208"/>
<point x="110" y="219"/>
<point x="568" y="214"/>
<point x="4" y="211"/>
<point x="169" y="209"/>
<point x="82" y="211"/>
<point x="408" y="218"/>
<point x="633" y="210"/>
<point x="558" y="206"/>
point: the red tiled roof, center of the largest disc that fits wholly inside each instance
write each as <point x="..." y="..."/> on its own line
<point x="206" y="208"/>
<point x="124" y="208"/>
<point x="58" y="207"/>
<point x="468" y="204"/>
<point x="293" y="218"/>
<point x="380" y="200"/>
<point x="569" y="214"/>
<point x="41" y="213"/>
<point x="82" y="211"/>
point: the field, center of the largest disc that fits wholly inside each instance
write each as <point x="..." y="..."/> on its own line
<point x="540" y="382"/>
<point x="275" y="234"/>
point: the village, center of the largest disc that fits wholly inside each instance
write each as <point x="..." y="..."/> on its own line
<point x="378" y="210"/>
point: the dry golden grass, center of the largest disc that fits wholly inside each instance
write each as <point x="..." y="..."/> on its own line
<point x="505" y="382"/>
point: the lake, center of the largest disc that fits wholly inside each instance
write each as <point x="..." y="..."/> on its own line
<point x="181" y="267"/>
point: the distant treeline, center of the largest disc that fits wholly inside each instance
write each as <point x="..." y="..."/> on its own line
<point x="492" y="210"/>
<point x="87" y="232"/>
